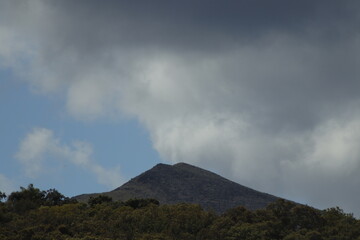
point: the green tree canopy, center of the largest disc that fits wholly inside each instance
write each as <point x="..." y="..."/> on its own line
<point x="34" y="214"/>
<point x="99" y="200"/>
<point x="2" y="196"/>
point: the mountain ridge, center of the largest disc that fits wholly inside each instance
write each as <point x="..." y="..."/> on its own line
<point x="182" y="182"/>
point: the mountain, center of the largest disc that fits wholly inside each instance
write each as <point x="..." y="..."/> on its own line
<point x="186" y="183"/>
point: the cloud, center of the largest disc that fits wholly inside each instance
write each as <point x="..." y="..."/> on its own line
<point x="32" y="149"/>
<point x="264" y="93"/>
<point x="6" y="185"/>
<point x="40" y="145"/>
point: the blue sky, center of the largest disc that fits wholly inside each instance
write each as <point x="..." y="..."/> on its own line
<point x="115" y="143"/>
<point x="265" y="93"/>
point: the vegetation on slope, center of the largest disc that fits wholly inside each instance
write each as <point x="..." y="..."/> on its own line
<point x="34" y="214"/>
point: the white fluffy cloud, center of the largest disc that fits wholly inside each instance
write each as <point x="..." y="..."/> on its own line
<point x="6" y="185"/>
<point x="269" y="103"/>
<point x="40" y="144"/>
<point x="32" y="149"/>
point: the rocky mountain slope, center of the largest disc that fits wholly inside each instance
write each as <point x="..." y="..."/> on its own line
<point x="186" y="183"/>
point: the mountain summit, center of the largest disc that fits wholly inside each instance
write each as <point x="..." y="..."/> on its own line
<point x="186" y="183"/>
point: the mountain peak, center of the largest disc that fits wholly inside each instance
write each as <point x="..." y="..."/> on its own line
<point x="181" y="164"/>
<point x="183" y="182"/>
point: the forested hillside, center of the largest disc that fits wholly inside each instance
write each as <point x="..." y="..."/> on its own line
<point x="34" y="214"/>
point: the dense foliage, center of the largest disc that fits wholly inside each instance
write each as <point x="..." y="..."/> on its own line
<point x="34" y="214"/>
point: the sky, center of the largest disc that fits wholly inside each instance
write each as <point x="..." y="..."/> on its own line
<point x="265" y="93"/>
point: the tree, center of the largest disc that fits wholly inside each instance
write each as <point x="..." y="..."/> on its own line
<point x="99" y="200"/>
<point x="2" y="196"/>
<point x="305" y="217"/>
<point x="54" y="198"/>
<point x="26" y="199"/>
<point x="140" y="203"/>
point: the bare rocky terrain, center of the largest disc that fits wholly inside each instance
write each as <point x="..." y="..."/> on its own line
<point x="182" y="182"/>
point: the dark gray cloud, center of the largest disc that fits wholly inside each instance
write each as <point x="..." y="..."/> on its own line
<point x="264" y="91"/>
<point x="196" y="25"/>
